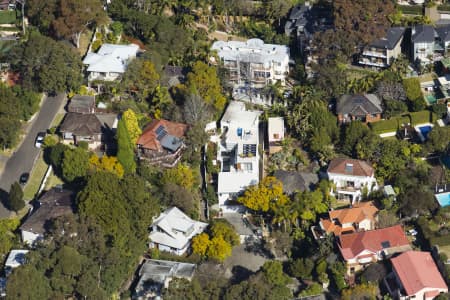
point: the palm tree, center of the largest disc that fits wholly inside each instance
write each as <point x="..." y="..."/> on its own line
<point x="282" y="215"/>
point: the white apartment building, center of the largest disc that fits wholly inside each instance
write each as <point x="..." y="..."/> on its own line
<point x="252" y="65"/>
<point x="237" y="153"/>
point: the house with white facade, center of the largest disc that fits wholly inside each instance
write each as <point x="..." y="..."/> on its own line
<point x="351" y="177"/>
<point x="110" y="62"/>
<point x="415" y="276"/>
<point x="237" y="153"/>
<point x="252" y="65"/>
<point x="275" y="131"/>
<point x="173" y="230"/>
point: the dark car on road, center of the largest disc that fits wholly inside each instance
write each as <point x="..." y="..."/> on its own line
<point x="24" y="178"/>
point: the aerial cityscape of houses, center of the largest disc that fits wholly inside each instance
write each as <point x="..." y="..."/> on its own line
<point x="249" y="150"/>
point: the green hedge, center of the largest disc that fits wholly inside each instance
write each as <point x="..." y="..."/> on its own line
<point x="410" y="9"/>
<point x="440" y="240"/>
<point x="390" y="125"/>
<point x="444" y="7"/>
<point x="420" y="117"/>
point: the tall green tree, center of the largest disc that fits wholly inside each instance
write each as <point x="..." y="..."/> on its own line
<point x="125" y="149"/>
<point x="46" y="65"/>
<point x="27" y="283"/>
<point x="75" y="164"/>
<point x="15" y="198"/>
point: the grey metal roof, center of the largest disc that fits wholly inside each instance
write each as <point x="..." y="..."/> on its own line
<point x="391" y="40"/>
<point x="359" y="104"/>
<point x="171" y="142"/>
<point x="422" y="34"/>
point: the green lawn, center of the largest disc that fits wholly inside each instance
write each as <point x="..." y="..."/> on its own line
<point x="7" y="17"/>
<point x="36" y="176"/>
<point x="57" y="120"/>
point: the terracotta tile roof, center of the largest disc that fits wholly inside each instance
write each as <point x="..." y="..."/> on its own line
<point x="373" y="240"/>
<point x="349" y="166"/>
<point x="148" y="138"/>
<point x="417" y="270"/>
<point x="356" y="214"/>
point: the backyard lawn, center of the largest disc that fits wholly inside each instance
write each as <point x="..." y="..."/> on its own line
<point x="7" y="17"/>
<point x="36" y="176"/>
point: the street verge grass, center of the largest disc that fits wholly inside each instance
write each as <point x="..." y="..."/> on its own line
<point x="36" y="176"/>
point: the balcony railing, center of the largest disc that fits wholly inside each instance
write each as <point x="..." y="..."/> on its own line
<point x="375" y="53"/>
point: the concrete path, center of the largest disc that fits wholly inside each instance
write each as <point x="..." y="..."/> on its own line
<point x="23" y="159"/>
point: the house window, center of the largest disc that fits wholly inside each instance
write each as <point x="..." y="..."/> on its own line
<point x="247" y="167"/>
<point x="350" y="184"/>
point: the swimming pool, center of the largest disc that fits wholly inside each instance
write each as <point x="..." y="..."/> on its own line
<point x="424" y="130"/>
<point x="431" y="99"/>
<point x="443" y="199"/>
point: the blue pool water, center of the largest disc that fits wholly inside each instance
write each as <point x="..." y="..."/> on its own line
<point x="443" y="199"/>
<point x="425" y="130"/>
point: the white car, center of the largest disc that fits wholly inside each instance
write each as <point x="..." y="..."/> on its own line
<point x="39" y="139"/>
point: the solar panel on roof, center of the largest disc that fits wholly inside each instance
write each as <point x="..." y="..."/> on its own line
<point x="160" y="132"/>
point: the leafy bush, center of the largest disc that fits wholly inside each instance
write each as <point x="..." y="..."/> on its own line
<point x="411" y="9"/>
<point x="414" y="94"/>
<point x="96" y="45"/>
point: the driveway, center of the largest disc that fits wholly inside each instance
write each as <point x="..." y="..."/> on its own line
<point x="23" y="159"/>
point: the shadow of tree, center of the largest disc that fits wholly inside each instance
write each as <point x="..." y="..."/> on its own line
<point x="240" y="274"/>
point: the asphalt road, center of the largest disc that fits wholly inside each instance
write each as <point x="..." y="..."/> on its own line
<point x="23" y="159"/>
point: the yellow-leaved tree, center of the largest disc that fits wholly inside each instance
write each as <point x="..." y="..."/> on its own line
<point x="181" y="175"/>
<point x="200" y="244"/>
<point x="265" y="196"/>
<point x="107" y="163"/>
<point x="132" y="125"/>
<point x="219" y="249"/>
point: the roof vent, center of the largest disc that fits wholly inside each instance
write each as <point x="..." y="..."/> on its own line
<point x="385" y="244"/>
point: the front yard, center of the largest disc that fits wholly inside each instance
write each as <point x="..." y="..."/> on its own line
<point x="36" y="176"/>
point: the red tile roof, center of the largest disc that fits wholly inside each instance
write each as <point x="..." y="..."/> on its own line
<point x="349" y="166"/>
<point x="148" y="138"/>
<point x="356" y="214"/>
<point x="417" y="270"/>
<point x="354" y="243"/>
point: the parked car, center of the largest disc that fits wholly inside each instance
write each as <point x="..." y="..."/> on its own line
<point x="39" y="139"/>
<point x="24" y="178"/>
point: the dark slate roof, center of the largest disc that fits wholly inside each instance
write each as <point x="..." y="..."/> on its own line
<point x="87" y="124"/>
<point x="298" y="11"/>
<point x="359" y="105"/>
<point x="54" y="203"/>
<point x="444" y="32"/>
<point x="81" y="102"/>
<point x="295" y="181"/>
<point x="391" y="40"/>
<point x="422" y="34"/>
<point x="173" y="75"/>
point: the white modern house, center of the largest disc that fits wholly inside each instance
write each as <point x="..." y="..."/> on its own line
<point x="237" y="153"/>
<point x="275" y="130"/>
<point x="173" y="230"/>
<point x="110" y="62"/>
<point x="350" y="177"/>
<point x="252" y="65"/>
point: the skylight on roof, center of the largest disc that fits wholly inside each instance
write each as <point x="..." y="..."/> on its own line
<point x="385" y="244"/>
<point x="349" y="168"/>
